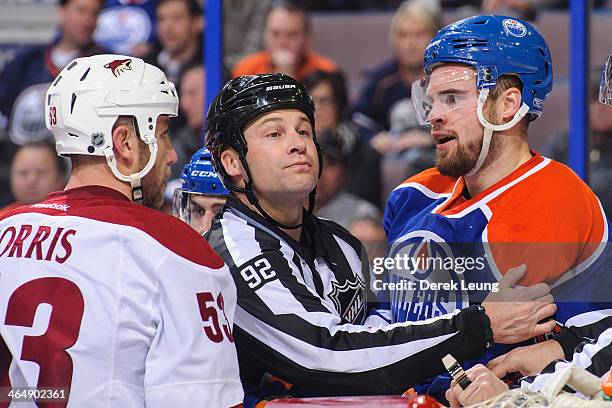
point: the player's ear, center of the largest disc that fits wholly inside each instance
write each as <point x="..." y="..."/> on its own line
<point x="231" y="162"/>
<point x="125" y="146"/>
<point x="510" y="103"/>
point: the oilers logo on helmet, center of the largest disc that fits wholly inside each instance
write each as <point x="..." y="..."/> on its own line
<point x="514" y="28"/>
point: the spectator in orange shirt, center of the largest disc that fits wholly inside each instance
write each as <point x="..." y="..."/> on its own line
<point x="287" y="40"/>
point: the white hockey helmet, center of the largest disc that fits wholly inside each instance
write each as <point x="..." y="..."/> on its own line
<point x="89" y="94"/>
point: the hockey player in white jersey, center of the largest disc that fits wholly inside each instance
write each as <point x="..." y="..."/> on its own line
<point x="104" y="302"/>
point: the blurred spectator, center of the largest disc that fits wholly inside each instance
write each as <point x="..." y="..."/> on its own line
<point x="36" y="171"/>
<point x="136" y="20"/>
<point x="25" y="79"/>
<point x="370" y="232"/>
<point x="384" y="108"/>
<point x="523" y="9"/>
<point x="600" y="154"/>
<point x="250" y="16"/>
<point x="179" y="31"/>
<point x="329" y="93"/>
<point x="332" y="200"/>
<point x="188" y="138"/>
<point x="287" y="38"/>
<point x="352" y="4"/>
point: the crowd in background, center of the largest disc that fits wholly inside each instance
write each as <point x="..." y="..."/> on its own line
<point x="367" y="139"/>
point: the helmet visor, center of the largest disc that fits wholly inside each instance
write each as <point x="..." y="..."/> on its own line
<point x="444" y="92"/>
<point x="179" y="203"/>
<point x="605" y="87"/>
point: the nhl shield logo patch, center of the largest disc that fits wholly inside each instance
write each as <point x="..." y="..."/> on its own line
<point x="97" y="139"/>
<point x="349" y="299"/>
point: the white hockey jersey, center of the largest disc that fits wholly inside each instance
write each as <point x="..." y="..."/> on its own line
<point x="117" y="304"/>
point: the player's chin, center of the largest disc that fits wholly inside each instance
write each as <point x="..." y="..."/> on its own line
<point x="303" y="187"/>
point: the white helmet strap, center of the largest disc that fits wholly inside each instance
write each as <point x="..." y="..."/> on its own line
<point x="135" y="178"/>
<point x="489" y="128"/>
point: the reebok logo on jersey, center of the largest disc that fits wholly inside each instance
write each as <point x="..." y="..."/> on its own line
<point x="277" y="87"/>
<point x="61" y="207"/>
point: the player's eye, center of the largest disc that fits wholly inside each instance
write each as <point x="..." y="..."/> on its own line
<point x="450" y="99"/>
<point x="197" y="210"/>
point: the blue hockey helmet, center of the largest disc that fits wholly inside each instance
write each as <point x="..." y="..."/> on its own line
<point x="199" y="176"/>
<point x="496" y="46"/>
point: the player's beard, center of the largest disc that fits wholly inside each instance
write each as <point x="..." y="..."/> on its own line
<point x="154" y="183"/>
<point x="461" y="161"/>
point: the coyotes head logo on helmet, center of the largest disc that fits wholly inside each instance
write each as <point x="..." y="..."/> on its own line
<point x="118" y="66"/>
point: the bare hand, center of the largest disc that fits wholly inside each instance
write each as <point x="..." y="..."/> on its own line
<point x="515" y="313"/>
<point x="485" y="385"/>
<point x="528" y="360"/>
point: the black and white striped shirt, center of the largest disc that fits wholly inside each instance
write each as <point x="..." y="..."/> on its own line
<point x="301" y="313"/>
<point x="593" y="353"/>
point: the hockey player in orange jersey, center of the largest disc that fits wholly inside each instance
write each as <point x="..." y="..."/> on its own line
<point x="491" y="198"/>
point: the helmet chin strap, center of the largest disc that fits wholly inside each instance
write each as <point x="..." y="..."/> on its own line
<point x="135" y="178"/>
<point x="489" y="128"/>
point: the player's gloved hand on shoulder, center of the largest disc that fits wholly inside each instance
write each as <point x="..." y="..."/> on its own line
<point x="516" y="313"/>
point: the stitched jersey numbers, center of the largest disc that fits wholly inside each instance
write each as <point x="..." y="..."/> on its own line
<point x="257" y="273"/>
